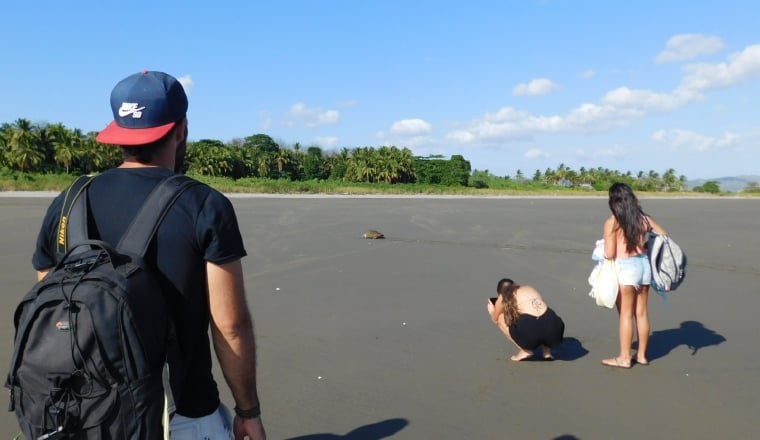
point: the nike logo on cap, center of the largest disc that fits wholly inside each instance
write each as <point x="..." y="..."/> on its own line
<point x="130" y="108"/>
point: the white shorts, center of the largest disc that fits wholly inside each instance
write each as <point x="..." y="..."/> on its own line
<point x="634" y="271"/>
<point x="217" y="425"/>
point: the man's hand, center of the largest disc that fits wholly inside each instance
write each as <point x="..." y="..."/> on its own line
<point x="251" y="429"/>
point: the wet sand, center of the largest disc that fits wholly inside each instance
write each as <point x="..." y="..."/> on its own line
<point x="371" y="339"/>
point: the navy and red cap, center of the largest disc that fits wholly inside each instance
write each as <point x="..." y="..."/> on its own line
<point x="145" y="107"/>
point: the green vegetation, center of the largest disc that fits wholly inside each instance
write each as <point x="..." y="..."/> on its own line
<point x="752" y="188"/>
<point x="710" y="186"/>
<point x="48" y="156"/>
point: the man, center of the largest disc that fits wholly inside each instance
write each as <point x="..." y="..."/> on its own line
<point x="197" y="251"/>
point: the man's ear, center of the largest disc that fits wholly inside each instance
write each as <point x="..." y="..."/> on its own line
<point x="180" y="130"/>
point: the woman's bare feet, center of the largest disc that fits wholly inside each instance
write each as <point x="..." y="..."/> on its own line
<point x="548" y="354"/>
<point x="617" y="362"/>
<point x="522" y="355"/>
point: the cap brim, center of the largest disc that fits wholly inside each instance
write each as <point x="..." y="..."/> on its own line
<point x="117" y="135"/>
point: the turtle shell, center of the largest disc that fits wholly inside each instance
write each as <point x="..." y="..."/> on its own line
<point x="373" y="235"/>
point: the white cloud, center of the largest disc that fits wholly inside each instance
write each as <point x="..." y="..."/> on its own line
<point x="431" y="149"/>
<point x="689" y="46"/>
<point x="587" y="74"/>
<point x="739" y="67"/>
<point x="593" y="117"/>
<point x="416" y="142"/>
<point x="595" y="154"/>
<point x="411" y="127"/>
<point x="266" y="124"/>
<point x="187" y="83"/>
<point x="505" y="114"/>
<point x="326" y="141"/>
<point x="537" y="87"/>
<point x="611" y="152"/>
<point x="688" y="139"/>
<point x="312" y="117"/>
<point x="461" y="136"/>
<point x="619" y="107"/>
<point x="535" y="153"/>
<point x="623" y="97"/>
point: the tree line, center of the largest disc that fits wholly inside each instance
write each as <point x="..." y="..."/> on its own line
<point x="598" y="179"/>
<point x="54" y="148"/>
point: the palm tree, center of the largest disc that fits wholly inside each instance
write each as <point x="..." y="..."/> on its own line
<point x="561" y="172"/>
<point x="337" y="163"/>
<point x="683" y="183"/>
<point x="312" y="163"/>
<point x="63" y="146"/>
<point x="282" y="157"/>
<point x="23" y="152"/>
<point x="264" y="164"/>
<point x="586" y="176"/>
<point x="670" y="180"/>
<point x="537" y="176"/>
<point x="5" y="139"/>
<point x="406" y="165"/>
<point x="654" y="181"/>
<point x="572" y="177"/>
<point x="387" y="164"/>
<point x="44" y="139"/>
<point x="362" y="165"/>
<point x="550" y="176"/>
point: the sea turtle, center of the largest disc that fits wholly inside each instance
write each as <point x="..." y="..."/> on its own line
<point x="372" y="235"/>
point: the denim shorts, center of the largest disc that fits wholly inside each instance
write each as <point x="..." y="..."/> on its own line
<point x="217" y="425"/>
<point x="634" y="271"/>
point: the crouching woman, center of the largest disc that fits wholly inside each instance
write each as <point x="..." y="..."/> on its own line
<point x="524" y="317"/>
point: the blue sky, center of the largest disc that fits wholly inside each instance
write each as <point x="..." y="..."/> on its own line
<point x="510" y="85"/>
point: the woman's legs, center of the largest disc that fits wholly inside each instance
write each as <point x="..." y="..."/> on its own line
<point x="547" y="352"/>
<point x="626" y="303"/>
<point x="522" y="354"/>
<point x="642" y="324"/>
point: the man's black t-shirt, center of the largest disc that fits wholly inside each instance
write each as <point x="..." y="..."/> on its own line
<point x="200" y="227"/>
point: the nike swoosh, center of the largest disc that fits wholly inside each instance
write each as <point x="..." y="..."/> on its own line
<point x="127" y="112"/>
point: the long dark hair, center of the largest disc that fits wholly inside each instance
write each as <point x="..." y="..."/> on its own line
<point x="628" y="213"/>
<point x="507" y="288"/>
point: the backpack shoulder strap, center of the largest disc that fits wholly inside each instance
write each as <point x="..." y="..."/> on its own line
<point x="72" y="224"/>
<point x="143" y="227"/>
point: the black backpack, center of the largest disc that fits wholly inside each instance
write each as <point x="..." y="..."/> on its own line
<point x="92" y="336"/>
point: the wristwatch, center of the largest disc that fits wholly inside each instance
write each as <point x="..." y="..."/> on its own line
<point x="248" y="413"/>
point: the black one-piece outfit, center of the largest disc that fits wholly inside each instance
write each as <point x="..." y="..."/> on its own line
<point x="530" y="331"/>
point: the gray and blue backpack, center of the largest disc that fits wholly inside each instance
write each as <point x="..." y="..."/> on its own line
<point x="668" y="261"/>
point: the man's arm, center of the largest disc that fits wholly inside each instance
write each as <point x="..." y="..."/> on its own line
<point x="41" y="274"/>
<point x="234" y="343"/>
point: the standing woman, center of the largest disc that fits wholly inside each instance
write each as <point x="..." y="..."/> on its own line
<point x="625" y="233"/>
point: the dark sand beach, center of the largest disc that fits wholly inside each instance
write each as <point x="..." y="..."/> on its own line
<point x="371" y="339"/>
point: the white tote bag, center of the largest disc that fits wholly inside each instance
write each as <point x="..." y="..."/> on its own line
<point x="604" y="283"/>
